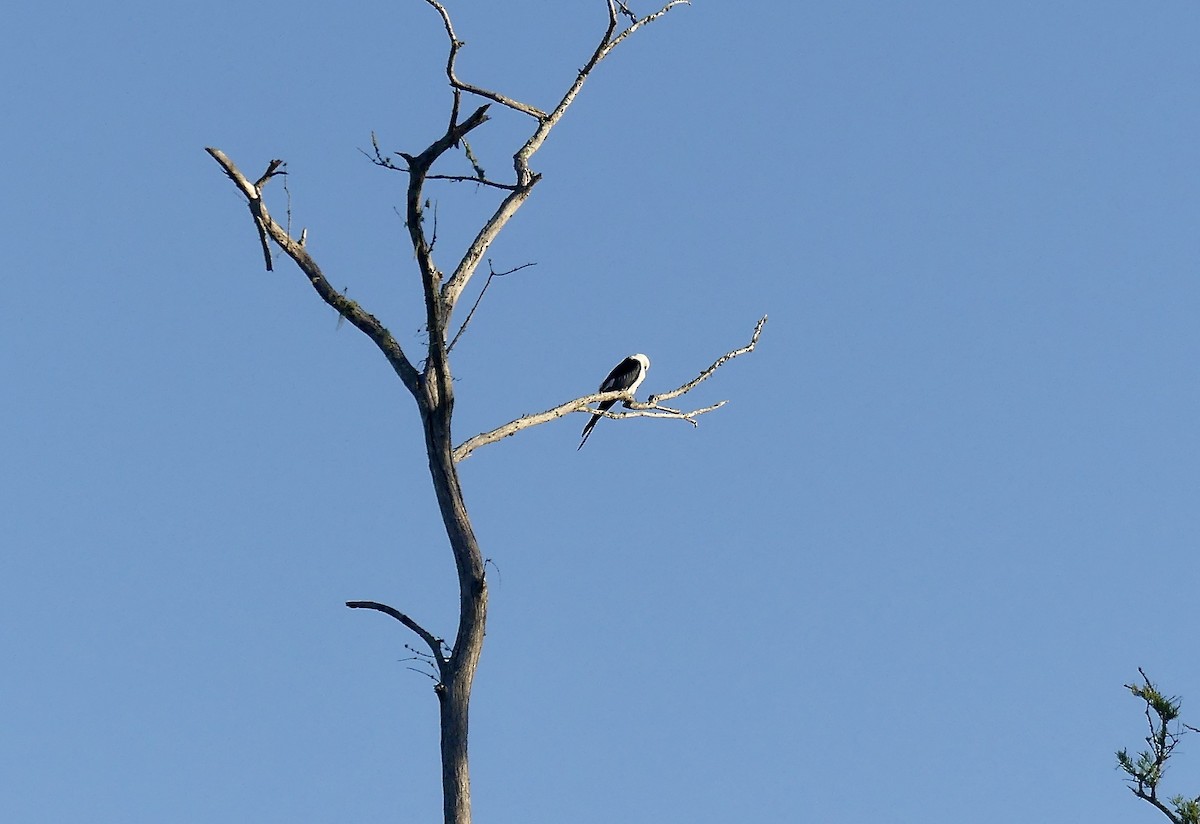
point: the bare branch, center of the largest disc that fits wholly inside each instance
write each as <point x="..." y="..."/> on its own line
<point x="513" y="427"/>
<point x="472" y="179"/>
<point x="650" y="409"/>
<point x="654" y="410"/>
<point x="728" y="356"/>
<point x="379" y="158"/>
<point x="265" y="244"/>
<point x="252" y="191"/>
<point x="367" y="323"/>
<point x="275" y="167"/>
<point x="432" y="641"/>
<point x="607" y="43"/>
<point x="638" y="23"/>
<point x="460" y="86"/>
<point x="636" y="410"/>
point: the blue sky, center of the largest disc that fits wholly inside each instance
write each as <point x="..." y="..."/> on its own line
<point x="948" y="511"/>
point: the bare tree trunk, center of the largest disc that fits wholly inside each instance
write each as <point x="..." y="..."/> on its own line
<point x="458" y="672"/>
<point x="455" y="699"/>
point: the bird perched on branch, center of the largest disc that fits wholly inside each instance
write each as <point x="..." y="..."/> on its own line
<point x="626" y="376"/>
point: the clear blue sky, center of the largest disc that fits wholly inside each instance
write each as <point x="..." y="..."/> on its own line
<point x="950" y="508"/>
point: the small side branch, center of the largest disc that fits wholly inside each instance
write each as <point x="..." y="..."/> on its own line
<point x="492" y="273"/>
<point x="434" y="643"/>
<point x="652" y="408"/>
<point x="482" y="181"/>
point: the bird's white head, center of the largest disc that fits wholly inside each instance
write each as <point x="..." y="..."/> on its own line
<point x="641" y="375"/>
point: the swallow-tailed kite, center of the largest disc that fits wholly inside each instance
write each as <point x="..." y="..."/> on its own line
<point x="628" y="376"/>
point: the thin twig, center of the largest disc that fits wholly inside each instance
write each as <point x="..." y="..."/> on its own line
<point x="491" y="274"/>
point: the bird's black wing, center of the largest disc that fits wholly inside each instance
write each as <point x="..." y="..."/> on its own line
<point x="622" y="376"/>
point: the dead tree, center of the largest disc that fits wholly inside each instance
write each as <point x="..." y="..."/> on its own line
<point x="428" y="380"/>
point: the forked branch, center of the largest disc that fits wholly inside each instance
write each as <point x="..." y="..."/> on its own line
<point x="525" y="178"/>
<point x="367" y="323"/>
<point x="652" y="408"/>
<point x="459" y="86"/>
<point x="383" y="161"/>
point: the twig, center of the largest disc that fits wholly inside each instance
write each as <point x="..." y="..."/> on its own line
<point x="341" y="318"/>
<point x="425" y="658"/>
<point x="491" y="274"/>
<point x="637" y="24"/>
<point x="703" y="376"/>
<point x="287" y="226"/>
<point x="480" y="172"/>
<point x="499" y="577"/>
